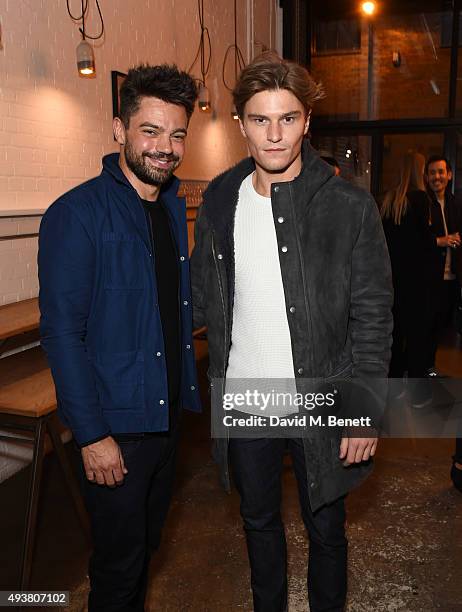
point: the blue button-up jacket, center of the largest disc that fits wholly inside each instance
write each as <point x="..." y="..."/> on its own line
<point x="100" y="322"/>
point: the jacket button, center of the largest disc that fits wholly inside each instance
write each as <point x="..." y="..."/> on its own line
<point x="300" y="370"/>
<point x="161" y="402"/>
<point x="292" y="309"/>
<point x="185" y="303"/>
<point x="188" y="346"/>
<point x="158" y="353"/>
<point x="280" y="219"/>
<point x="220" y="256"/>
<point x="182" y="258"/>
<point x="284" y="249"/>
<point x="193" y="388"/>
<point x="312" y="485"/>
<point x="276" y="189"/>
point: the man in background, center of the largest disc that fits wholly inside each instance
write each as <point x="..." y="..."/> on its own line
<point x="445" y="221"/>
<point x="445" y="218"/>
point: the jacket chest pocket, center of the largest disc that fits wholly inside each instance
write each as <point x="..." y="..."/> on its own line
<point x="123" y="261"/>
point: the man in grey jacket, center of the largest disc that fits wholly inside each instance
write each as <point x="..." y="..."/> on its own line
<point x="290" y="273"/>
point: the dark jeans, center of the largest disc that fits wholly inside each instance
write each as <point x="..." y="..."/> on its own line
<point x="411" y="338"/>
<point x="445" y="299"/>
<point x="257" y="468"/>
<point x="458" y="454"/>
<point x="127" y="522"/>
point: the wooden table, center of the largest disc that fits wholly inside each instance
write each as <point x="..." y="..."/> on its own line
<point x="28" y="413"/>
<point x="18" y="318"/>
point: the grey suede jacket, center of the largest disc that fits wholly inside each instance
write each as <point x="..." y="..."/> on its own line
<point x="337" y="285"/>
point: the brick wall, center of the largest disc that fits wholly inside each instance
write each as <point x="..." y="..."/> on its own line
<point x="417" y="88"/>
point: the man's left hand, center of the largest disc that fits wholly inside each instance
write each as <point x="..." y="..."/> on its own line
<point x="355" y="450"/>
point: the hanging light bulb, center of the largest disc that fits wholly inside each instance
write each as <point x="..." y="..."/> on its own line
<point x="368" y="8"/>
<point x="84" y="51"/>
<point x="204" y="98"/>
<point x="85" y="59"/>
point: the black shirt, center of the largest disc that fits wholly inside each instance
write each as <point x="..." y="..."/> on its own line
<point x="166" y="269"/>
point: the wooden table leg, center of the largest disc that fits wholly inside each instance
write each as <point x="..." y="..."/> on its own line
<point x="32" y="503"/>
<point x="68" y="474"/>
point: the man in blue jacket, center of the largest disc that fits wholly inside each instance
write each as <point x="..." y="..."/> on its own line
<point x="116" y="326"/>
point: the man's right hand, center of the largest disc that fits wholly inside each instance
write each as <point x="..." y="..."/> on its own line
<point x="103" y="462"/>
<point x="451" y="240"/>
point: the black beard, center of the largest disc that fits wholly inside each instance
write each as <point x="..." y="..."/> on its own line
<point x="144" y="171"/>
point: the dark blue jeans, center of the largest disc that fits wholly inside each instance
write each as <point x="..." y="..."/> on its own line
<point x="127" y="522"/>
<point x="458" y="456"/>
<point x="257" y="468"/>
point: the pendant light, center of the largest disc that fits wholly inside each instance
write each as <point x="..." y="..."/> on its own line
<point x="84" y="52"/>
<point x="205" y="49"/>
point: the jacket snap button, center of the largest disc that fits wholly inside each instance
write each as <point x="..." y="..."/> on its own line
<point x="292" y="309"/>
<point x="220" y="256"/>
<point x="284" y="249"/>
<point x="280" y="219"/>
<point x="182" y="258"/>
<point x="312" y="484"/>
<point x="193" y="388"/>
<point x="300" y="370"/>
<point x="276" y="189"/>
<point x="161" y="402"/>
<point x="185" y="303"/>
<point x="158" y="353"/>
<point x="188" y="346"/>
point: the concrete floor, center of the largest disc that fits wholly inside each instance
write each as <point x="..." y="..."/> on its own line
<point x="404" y="528"/>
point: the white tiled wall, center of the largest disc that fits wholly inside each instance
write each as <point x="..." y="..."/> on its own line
<point x="55" y="126"/>
<point x="18" y="258"/>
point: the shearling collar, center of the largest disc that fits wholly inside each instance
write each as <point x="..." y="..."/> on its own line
<point x="221" y="196"/>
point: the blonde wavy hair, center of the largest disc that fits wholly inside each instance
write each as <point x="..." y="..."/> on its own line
<point x="395" y="201"/>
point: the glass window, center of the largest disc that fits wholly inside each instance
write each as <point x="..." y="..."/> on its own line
<point x="400" y="70"/>
<point x="395" y="146"/>
<point x="337" y="36"/>
<point x="446" y="29"/>
<point x="458" y="165"/>
<point x="353" y="155"/>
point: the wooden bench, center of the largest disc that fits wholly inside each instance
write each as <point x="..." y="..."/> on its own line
<point x="18" y="318"/>
<point x="28" y="413"/>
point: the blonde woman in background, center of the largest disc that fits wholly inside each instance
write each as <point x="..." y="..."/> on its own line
<point x="404" y="212"/>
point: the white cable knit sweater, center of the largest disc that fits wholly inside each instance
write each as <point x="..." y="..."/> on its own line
<point x="261" y="346"/>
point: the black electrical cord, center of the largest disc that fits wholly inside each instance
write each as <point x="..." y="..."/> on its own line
<point x="84" y="8"/>
<point x="100" y="35"/>
<point x="239" y="61"/>
<point x="204" y="42"/>
<point x="80" y="17"/>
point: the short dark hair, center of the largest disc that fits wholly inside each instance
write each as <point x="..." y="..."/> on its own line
<point x="436" y="158"/>
<point x="165" y="82"/>
<point x="269" y="72"/>
<point x="331" y="161"/>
